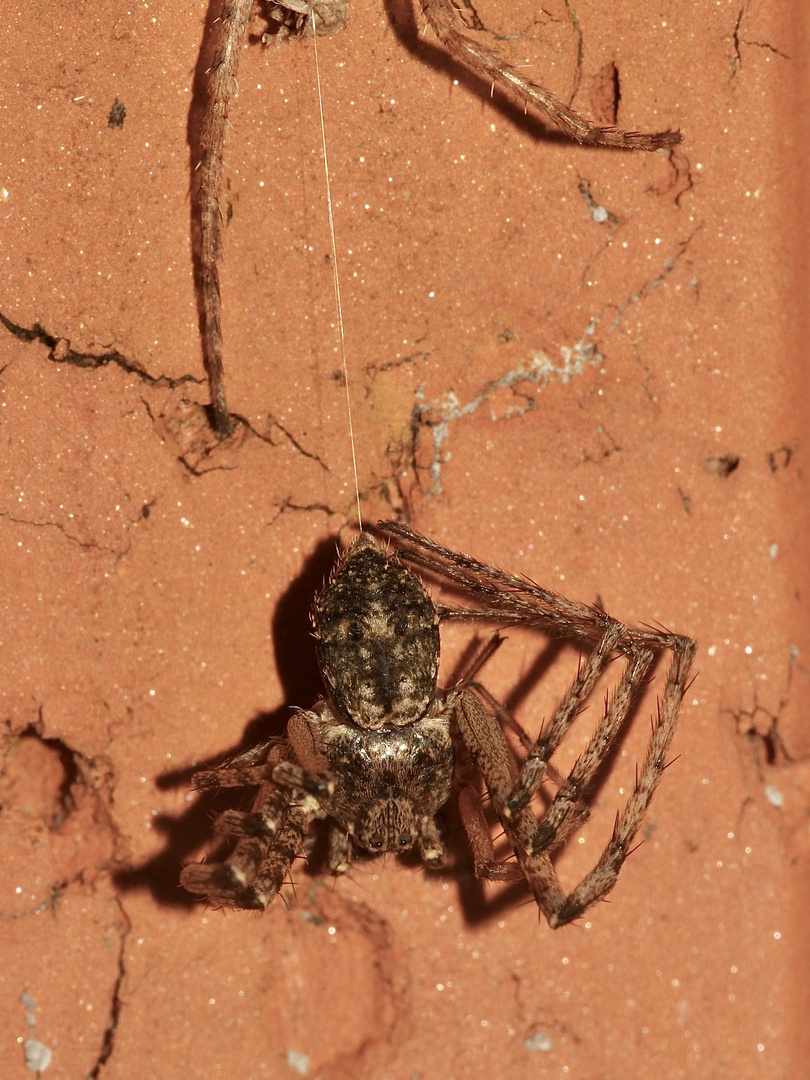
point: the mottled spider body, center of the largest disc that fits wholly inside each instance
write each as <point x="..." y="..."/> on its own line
<point x="377" y="635"/>
<point x="387" y="750"/>
<point x="388" y="785"/>
<point x="377" y="759"/>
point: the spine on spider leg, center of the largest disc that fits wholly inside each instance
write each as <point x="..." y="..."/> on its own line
<point x="450" y="30"/>
<point x="231" y="35"/>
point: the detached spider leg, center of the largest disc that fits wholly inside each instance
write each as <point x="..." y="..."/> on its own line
<point x="450" y="29"/>
<point x="233" y="26"/>
<point x="293" y="18"/>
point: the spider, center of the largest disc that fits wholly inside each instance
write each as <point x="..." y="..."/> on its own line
<point x="386" y="749"/>
<point x="293" y="18"/>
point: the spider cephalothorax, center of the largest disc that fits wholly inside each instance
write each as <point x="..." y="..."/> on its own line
<point x="386" y="750"/>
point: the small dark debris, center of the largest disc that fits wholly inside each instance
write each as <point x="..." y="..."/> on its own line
<point x="779" y="459"/>
<point x="723" y="466"/>
<point x="231" y="197"/>
<point x="117" y="114"/>
<point x="505" y="335"/>
<point x="145" y="512"/>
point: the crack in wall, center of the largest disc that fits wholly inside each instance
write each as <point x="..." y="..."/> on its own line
<point x="287" y="505"/>
<point x="737" y="41"/>
<point x="759" y="725"/>
<point x="287" y="435"/>
<point x="187" y="423"/>
<point x="569" y="7"/>
<point x="61" y="353"/>
<point x="37" y="789"/>
<point x="86" y="545"/>
<point x="387" y="1024"/>
<point x="438" y="414"/>
<point x="45" y="779"/>
<point x="108" y="1042"/>
<point x="51" y="901"/>
<point x="659" y="279"/>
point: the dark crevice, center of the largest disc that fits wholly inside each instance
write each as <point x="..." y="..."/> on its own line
<point x="291" y="438"/>
<point x="288" y="504"/>
<point x="57" y="888"/>
<point x="108" y="1043"/>
<point x="87" y="545"/>
<point x="61" y="353"/>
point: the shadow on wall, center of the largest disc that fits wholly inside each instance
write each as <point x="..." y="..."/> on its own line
<point x="301" y="682"/>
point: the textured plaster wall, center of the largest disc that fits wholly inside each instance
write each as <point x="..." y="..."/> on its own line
<point x="617" y="408"/>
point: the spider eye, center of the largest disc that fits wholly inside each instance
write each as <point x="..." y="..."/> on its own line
<point x="400" y="626"/>
<point x="356" y="631"/>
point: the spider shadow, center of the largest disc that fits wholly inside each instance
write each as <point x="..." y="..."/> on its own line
<point x="185" y="834"/>
<point x="401" y="16"/>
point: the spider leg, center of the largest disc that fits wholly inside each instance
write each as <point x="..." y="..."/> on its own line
<point x="509" y="600"/>
<point x="254" y="766"/>
<point x="430" y="843"/>
<point x="340" y="849"/>
<point x="574" y="820"/>
<point x="309" y="772"/>
<point x="574" y="785"/>
<point x="599" y="881"/>
<point x="488" y="745"/>
<point x="502" y="599"/>
<point x="534" y="768"/>
<point x="503" y="714"/>
<point x="450" y="29"/>
<point x="272" y="837"/>
<point x="290" y="775"/>
<point x="486" y="741"/>
<point x="476" y="827"/>
<point x="506" y="600"/>
<point x="231" y="32"/>
<point x="263" y="820"/>
<point x="284" y="849"/>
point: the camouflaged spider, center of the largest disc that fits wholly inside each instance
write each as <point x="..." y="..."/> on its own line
<point x="384" y="752"/>
<point x="293" y="18"/>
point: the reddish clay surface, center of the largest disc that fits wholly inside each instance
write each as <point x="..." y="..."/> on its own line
<point x="552" y="394"/>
